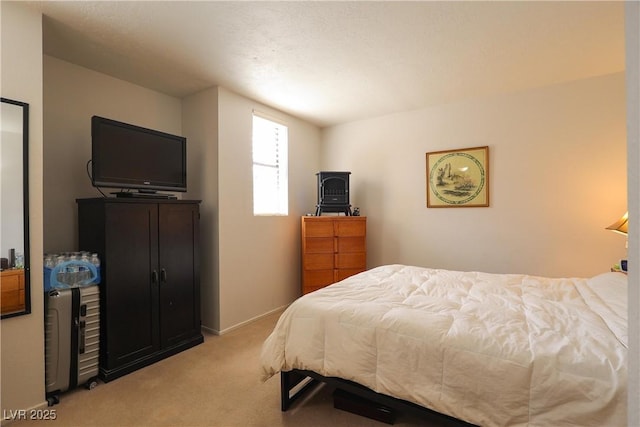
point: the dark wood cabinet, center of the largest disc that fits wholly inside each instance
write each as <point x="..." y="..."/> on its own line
<point x="150" y="289"/>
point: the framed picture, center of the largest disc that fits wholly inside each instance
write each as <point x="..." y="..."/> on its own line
<point x="458" y="178"/>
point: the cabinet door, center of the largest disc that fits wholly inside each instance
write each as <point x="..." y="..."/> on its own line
<point x="179" y="273"/>
<point x="131" y="241"/>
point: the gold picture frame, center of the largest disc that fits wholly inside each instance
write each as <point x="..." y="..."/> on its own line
<point x="458" y="178"/>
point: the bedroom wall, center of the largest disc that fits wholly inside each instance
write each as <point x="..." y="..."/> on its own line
<point x="557" y="179"/>
<point x="200" y="126"/>
<point x="22" y="337"/>
<point x="259" y="255"/>
<point x="632" y="48"/>
<point x="72" y="94"/>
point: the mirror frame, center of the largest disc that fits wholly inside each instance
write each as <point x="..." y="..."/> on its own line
<point x="25" y="207"/>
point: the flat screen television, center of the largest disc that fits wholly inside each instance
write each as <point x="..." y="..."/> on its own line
<point x="129" y="157"/>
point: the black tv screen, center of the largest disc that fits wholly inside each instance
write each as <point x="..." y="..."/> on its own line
<point x="133" y="157"/>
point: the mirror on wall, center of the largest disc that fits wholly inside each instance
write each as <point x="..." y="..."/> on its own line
<point x="15" y="298"/>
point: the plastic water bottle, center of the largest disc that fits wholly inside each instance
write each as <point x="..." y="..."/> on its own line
<point x="49" y="261"/>
<point x="73" y="275"/>
<point x="49" y="264"/>
<point x="85" y="273"/>
<point x="62" y="275"/>
<point x="19" y="260"/>
<point x="96" y="262"/>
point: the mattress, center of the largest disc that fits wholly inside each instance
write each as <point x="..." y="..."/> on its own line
<point x="489" y="349"/>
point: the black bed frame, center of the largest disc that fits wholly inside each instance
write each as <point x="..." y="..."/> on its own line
<point x="295" y="379"/>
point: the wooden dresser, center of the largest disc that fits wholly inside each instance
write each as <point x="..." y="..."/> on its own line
<point x="12" y="290"/>
<point x="333" y="248"/>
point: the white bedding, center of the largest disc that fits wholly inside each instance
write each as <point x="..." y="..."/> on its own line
<point x="490" y="349"/>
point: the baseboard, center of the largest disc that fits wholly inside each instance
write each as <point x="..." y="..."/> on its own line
<point x="246" y="322"/>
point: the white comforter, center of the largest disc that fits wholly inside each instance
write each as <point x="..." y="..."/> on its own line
<point x="490" y="349"/>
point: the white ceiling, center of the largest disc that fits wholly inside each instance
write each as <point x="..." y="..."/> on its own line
<point x="334" y="62"/>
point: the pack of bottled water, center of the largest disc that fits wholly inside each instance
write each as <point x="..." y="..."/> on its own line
<point x="71" y="269"/>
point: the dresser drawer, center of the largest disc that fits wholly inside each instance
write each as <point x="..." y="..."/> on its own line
<point x="351" y="227"/>
<point x="11" y="300"/>
<point x="317" y="278"/>
<point x="342" y="274"/>
<point x="12" y="291"/>
<point x="318" y="228"/>
<point x="12" y="282"/>
<point x="318" y="245"/>
<point x="318" y="261"/>
<point x="351" y="244"/>
<point x="351" y="260"/>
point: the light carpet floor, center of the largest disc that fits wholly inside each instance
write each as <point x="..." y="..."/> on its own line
<point x="215" y="384"/>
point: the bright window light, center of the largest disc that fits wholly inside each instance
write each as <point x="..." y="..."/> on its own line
<point x="270" y="167"/>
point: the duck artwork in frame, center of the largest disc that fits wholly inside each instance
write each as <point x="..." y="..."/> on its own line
<point x="458" y="178"/>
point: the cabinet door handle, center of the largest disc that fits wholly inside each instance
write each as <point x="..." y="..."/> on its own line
<point x="154" y="277"/>
<point x="163" y="275"/>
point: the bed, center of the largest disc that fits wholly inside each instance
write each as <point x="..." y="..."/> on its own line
<point x="487" y="349"/>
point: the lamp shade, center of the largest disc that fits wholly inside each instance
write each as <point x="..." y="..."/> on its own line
<point x="621" y="225"/>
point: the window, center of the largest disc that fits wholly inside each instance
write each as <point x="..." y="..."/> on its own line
<point x="270" y="167"/>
